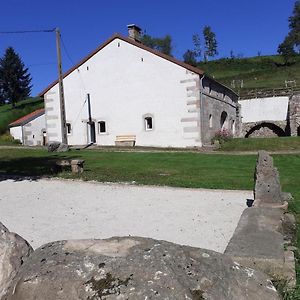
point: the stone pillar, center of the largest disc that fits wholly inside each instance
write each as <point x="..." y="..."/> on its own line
<point x="267" y="187"/>
<point x="238" y="121"/>
<point x="294" y="114"/>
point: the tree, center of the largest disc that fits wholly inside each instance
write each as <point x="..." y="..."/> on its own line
<point x="197" y="45"/>
<point x="286" y="50"/>
<point x="163" y="45"/>
<point x="291" y="44"/>
<point x="294" y="25"/>
<point x="210" y="43"/>
<point x="189" y="57"/>
<point x="14" y="78"/>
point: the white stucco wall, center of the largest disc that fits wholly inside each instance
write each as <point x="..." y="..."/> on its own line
<point x="264" y="109"/>
<point x="125" y="83"/>
<point x="33" y="131"/>
<point x="16" y="132"/>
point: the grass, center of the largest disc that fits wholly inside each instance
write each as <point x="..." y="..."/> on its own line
<point x="9" y="114"/>
<point x="268" y="144"/>
<point x="256" y="72"/>
<point x="178" y="169"/>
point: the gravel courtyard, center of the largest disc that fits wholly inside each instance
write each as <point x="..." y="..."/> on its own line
<point x="47" y="210"/>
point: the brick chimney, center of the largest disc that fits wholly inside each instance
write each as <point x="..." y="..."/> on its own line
<point x="134" y="32"/>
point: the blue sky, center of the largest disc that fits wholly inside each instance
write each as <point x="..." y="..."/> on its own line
<point x="246" y="27"/>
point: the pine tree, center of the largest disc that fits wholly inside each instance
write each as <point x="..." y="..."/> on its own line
<point x="210" y="43"/>
<point x="14" y="78"/>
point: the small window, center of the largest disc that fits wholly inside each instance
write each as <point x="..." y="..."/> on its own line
<point x="69" y="128"/>
<point x="210" y="121"/>
<point x="148" y="123"/>
<point x="102" y="127"/>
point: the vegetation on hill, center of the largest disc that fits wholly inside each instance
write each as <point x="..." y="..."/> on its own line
<point x="9" y="114"/>
<point x="260" y="72"/>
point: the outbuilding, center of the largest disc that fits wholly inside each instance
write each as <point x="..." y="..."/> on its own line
<point x="30" y="130"/>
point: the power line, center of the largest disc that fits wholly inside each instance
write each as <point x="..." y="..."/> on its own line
<point x="66" y="51"/>
<point x="27" y="31"/>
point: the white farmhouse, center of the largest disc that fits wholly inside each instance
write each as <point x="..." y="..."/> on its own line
<point x="126" y="92"/>
<point x="30" y="130"/>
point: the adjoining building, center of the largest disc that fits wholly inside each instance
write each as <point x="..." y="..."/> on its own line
<point x="271" y="116"/>
<point x="125" y="92"/>
<point x="30" y="130"/>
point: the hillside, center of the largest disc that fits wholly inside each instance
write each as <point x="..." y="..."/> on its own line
<point x="260" y="72"/>
<point x="9" y="114"/>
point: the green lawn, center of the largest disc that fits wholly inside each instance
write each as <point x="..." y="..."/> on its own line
<point x="181" y="169"/>
<point x="268" y="144"/>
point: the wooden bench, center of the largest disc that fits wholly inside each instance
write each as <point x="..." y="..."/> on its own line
<point x="75" y="164"/>
<point x="125" y="140"/>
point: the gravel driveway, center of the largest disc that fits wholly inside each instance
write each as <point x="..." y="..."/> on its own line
<point x="46" y="210"/>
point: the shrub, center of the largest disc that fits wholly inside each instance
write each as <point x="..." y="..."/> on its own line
<point x="8" y="139"/>
<point x="222" y="136"/>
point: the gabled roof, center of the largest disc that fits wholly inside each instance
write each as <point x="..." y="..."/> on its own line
<point x="132" y="42"/>
<point x="139" y="45"/>
<point x="26" y="119"/>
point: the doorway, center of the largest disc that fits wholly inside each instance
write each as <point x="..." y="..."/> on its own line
<point x="91" y="132"/>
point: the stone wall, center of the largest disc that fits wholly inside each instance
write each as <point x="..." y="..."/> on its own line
<point x="216" y="100"/>
<point x="264" y="129"/>
<point x="294" y="115"/>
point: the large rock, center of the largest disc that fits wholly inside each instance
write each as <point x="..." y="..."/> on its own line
<point x="57" y="147"/>
<point x="135" y="268"/>
<point x="267" y="187"/>
<point x="13" y="252"/>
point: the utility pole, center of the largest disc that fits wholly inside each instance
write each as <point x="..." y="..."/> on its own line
<point x="61" y="90"/>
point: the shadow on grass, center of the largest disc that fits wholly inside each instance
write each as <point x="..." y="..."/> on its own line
<point x="31" y="168"/>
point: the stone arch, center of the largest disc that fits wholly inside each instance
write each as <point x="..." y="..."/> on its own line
<point x="274" y="128"/>
<point x="224" y="120"/>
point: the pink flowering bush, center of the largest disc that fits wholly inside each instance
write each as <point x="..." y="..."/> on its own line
<point x="222" y="136"/>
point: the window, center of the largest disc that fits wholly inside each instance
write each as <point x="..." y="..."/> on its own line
<point x="233" y="127"/>
<point x="101" y="126"/>
<point x="210" y="121"/>
<point x="148" y="123"/>
<point x="223" y="120"/>
<point x="69" y="128"/>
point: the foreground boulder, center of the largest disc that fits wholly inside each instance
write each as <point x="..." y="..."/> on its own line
<point x="267" y="187"/>
<point x="13" y="252"/>
<point x="135" y="268"/>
